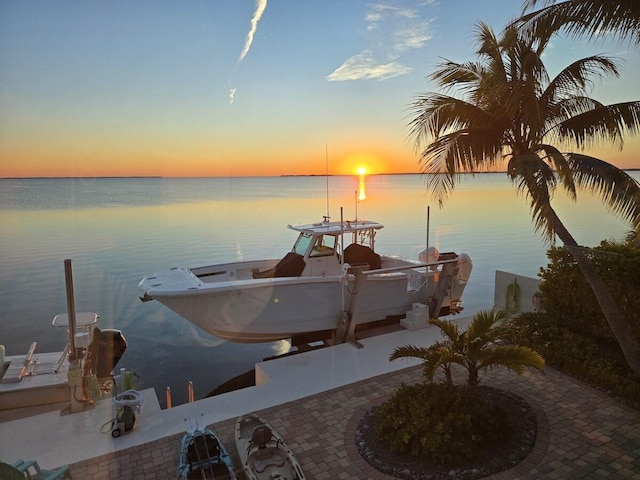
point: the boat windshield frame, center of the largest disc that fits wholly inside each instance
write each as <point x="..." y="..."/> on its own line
<point x="302" y="243"/>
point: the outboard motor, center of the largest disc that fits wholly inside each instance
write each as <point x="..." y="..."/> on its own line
<point x="429" y="256"/>
<point x="111" y="347"/>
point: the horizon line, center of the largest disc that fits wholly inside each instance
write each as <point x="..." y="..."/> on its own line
<point x="62" y="177"/>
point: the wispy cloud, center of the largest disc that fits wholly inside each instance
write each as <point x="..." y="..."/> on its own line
<point x="366" y="66"/>
<point x="261" y="5"/>
<point x="394" y="29"/>
<point x="232" y="94"/>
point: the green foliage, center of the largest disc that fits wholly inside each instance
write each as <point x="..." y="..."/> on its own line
<point x="567" y="296"/>
<point x="475" y="350"/>
<point x="444" y="424"/>
<point x="572" y="334"/>
<point x="577" y="354"/>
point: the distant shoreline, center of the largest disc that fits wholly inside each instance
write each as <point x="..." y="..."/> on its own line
<point x="258" y="176"/>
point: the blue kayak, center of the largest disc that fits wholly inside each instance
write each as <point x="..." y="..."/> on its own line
<point x="203" y="456"/>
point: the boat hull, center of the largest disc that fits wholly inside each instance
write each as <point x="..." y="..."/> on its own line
<point x="280" y="308"/>
<point x="237" y="302"/>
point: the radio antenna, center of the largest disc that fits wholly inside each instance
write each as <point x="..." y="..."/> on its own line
<point x="326" y="161"/>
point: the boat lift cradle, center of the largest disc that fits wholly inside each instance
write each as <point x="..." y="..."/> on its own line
<point x="345" y="333"/>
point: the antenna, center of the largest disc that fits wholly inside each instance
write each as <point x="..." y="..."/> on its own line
<point x="356" y="199"/>
<point x="326" y="161"/>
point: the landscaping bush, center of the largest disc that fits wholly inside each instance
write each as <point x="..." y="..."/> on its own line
<point x="592" y="360"/>
<point x="572" y="333"/>
<point x="448" y="425"/>
<point x="567" y="296"/>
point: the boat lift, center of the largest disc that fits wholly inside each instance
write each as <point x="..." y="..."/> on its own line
<point x="345" y="332"/>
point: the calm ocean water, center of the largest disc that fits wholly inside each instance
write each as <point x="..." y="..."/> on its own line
<point x="118" y="230"/>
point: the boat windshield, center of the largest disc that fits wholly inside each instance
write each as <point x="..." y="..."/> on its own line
<point x="302" y="243"/>
<point x="324" y="246"/>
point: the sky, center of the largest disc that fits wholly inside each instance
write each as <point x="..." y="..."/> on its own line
<point x="240" y="87"/>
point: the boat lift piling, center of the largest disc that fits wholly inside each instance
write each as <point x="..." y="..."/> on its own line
<point x="347" y="326"/>
<point x="75" y="376"/>
<point x="71" y="309"/>
<point x="345" y="332"/>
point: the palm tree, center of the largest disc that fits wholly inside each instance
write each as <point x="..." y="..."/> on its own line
<point x="510" y="110"/>
<point x="475" y="350"/>
<point x="592" y="18"/>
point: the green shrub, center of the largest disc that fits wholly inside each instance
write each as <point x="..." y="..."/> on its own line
<point x="577" y="354"/>
<point x="573" y="335"/>
<point x="567" y="296"/>
<point x="448" y="425"/>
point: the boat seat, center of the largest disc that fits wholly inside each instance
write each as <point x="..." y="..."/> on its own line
<point x="202" y="449"/>
<point x="261" y="435"/>
<point x="292" y="265"/>
<point x="266" y="459"/>
<point x="356" y="254"/>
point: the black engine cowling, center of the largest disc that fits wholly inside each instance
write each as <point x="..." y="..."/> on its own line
<point x="105" y="351"/>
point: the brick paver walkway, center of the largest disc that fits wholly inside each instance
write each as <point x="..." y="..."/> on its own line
<point x="582" y="433"/>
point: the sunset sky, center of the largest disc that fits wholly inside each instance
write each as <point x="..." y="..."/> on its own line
<point x="238" y="87"/>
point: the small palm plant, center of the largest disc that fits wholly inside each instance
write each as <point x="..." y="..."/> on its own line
<point x="475" y="349"/>
<point x="452" y="424"/>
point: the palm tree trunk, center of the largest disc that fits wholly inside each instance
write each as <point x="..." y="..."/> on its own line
<point x="472" y="379"/>
<point x="617" y="321"/>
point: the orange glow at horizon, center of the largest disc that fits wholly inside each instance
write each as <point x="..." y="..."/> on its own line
<point x="41" y="159"/>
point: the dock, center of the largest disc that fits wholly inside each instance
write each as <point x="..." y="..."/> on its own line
<point x="82" y="435"/>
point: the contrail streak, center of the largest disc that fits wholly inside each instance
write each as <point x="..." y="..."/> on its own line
<point x="260" y="7"/>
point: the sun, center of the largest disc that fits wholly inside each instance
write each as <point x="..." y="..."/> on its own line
<point x="361" y="163"/>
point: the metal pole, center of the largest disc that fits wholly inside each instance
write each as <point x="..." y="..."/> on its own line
<point x="326" y="161"/>
<point x="71" y="309"/>
<point x="356" y="201"/>
<point x="345" y="277"/>
<point x="428" y="213"/>
<point x="426" y="270"/>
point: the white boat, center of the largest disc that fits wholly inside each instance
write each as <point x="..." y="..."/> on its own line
<point x="263" y="453"/>
<point x="332" y="275"/>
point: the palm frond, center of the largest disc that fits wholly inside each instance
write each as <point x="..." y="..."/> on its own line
<point x="448" y="328"/>
<point x="565" y="109"/>
<point x="577" y="78"/>
<point x="450" y="74"/>
<point x="618" y="190"/>
<point x="591" y="18"/>
<point x="487" y="43"/>
<point x="516" y="358"/>
<point x="483" y="322"/>
<point x="409" y="351"/>
<point x="468" y="150"/>
<point x="607" y="123"/>
<point x="433" y="114"/>
<point x="561" y="166"/>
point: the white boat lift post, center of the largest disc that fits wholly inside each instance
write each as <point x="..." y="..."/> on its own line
<point x="347" y="326"/>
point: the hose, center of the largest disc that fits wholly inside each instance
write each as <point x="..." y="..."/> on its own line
<point x="512" y="297"/>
